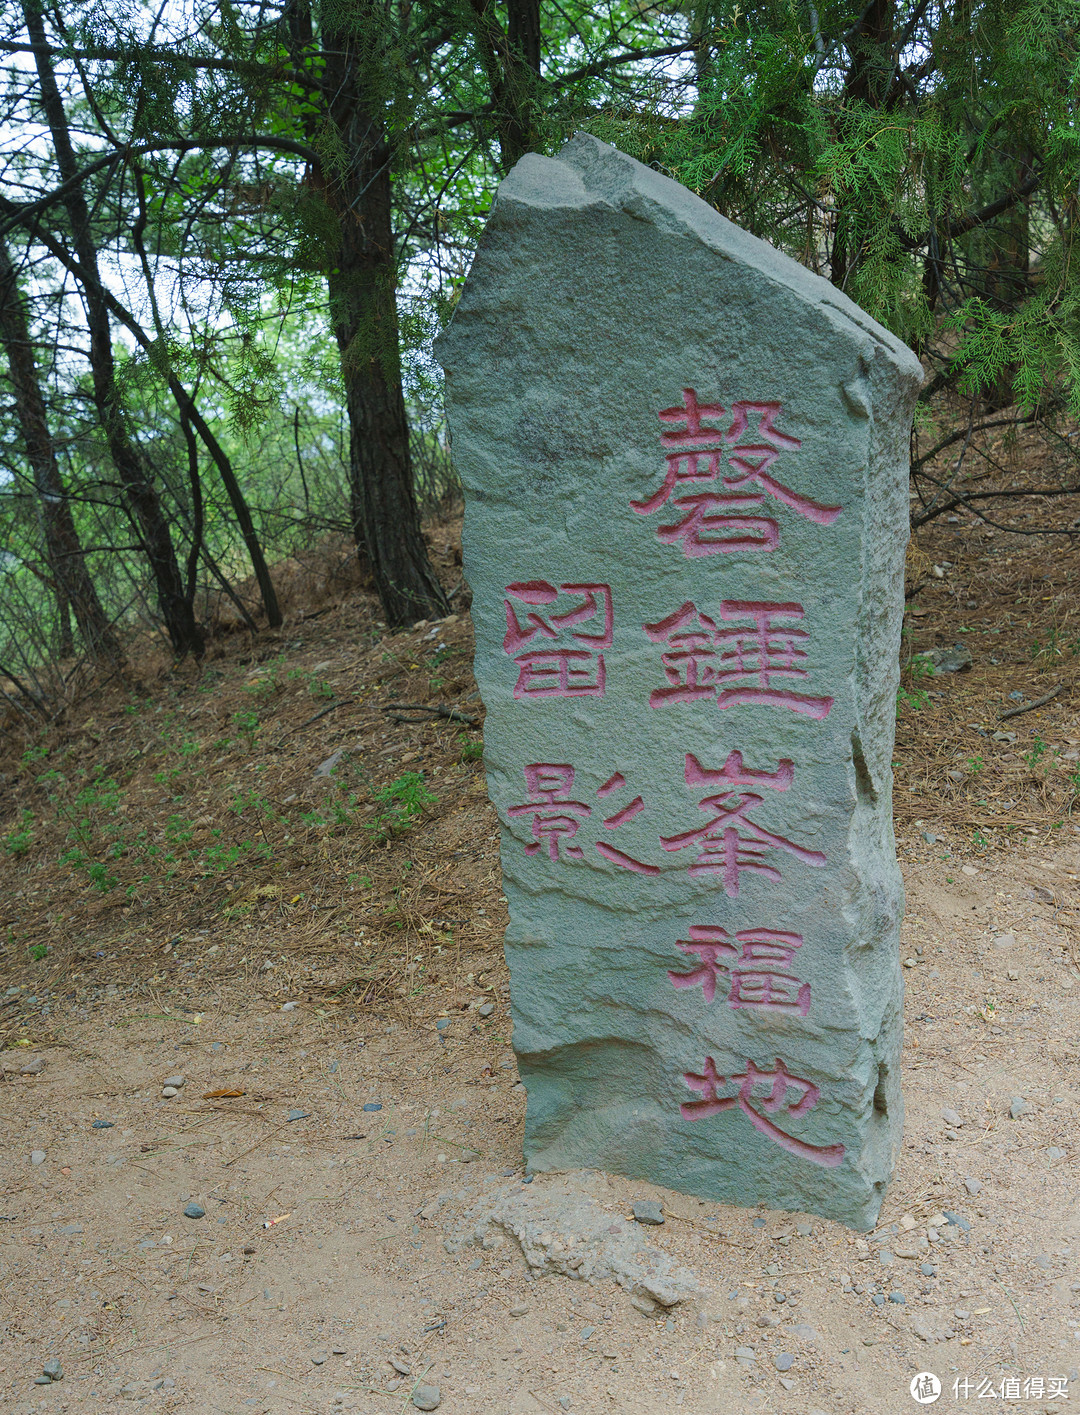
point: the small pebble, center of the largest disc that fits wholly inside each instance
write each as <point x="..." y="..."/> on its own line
<point x="176" y="1081"/>
<point x="648" y="1211"/>
<point x="519" y="1310"/>
<point x="102" y="1125"/>
<point x="37" y="1156"/>
<point x="318" y="1358"/>
<point x="1018" y="1106"/>
<point x="53" y="1370"/>
<point x="897" y="1297"/>
<point x="299" y="1114"/>
<point x="442" y="1024"/>
<point x="373" y="1105"/>
<point x="194" y="1210"/>
<point x="167" y="1092"/>
<point x="427" y="1397"/>
<point x="973" y="1186"/>
<point x="33" y="1067"/>
<point x="288" y="1007"/>
<point x="485" y="1009"/>
<point x="950" y="1117"/>
<point x="928" y="1270"/>
<point x="784" y="1361"/>
<point x="878" y="1299"/>
<point x="42" y="1381"/>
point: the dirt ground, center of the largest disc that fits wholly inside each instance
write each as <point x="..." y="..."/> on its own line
<point x="194" y="888"/>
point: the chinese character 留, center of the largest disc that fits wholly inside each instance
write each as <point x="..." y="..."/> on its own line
<point x="779" y="1083"/>
<point x="738" y="665"/>
<point x="570" y="665"/>
<point x="717" y="522"/>
<point x="731" y="842"/>
<point x="756" y="961"/>
<point x="556" y="817"/>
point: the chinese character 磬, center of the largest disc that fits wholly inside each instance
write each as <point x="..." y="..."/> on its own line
<point x="756" y="968"/>
<point x="556" y="818"/>
<point x="778" y="1083"/>
<point x="725" y="849"/>
<point x="715" y="522"/>
<point x="760" y="652"/>
<point x="752" y="460"/>
<point x="574" y="667"/>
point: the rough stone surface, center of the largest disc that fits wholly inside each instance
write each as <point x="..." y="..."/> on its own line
<point x="608" y="306"/>
<point x="427" y="1397"/>
<point x="562" y="1229"/>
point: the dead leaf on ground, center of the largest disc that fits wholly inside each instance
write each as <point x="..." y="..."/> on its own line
<point x="223" y="1095"/>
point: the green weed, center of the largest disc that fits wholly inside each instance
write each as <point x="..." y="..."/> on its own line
<point x="402" y="803"/>
<point x="38" y="951"/>
<point x="19" y="839"/>
<point x="1039" y="748"/>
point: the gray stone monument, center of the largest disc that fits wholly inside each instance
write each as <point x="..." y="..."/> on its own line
<point x="685" y="469"/>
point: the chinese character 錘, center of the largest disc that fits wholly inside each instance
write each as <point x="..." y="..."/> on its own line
<point x="778" y="1083"/>
<point x="736" y="665"/>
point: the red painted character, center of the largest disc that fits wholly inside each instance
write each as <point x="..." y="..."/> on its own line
<point x="756" y="967"/>
<point x="572" y="666"/>
<point x="730" y="842"/>
<point x="736" y="666"/>
<point x="778" y="1084"/>
<point x="715" y="521"/>
<point x="556" y="818"/>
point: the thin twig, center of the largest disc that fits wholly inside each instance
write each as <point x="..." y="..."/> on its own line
<point x="1030" y="707"/>
<point x="451" y="714"/>
<point x="344" y="702"/>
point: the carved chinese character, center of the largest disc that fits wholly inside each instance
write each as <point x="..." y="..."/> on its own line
<point x="757" y="967"/>
<point x="716" y="522"/>
<point x="779" y="1085"/>
<point x="731" y="842"/>
<point x="559" y="670"/>
<point x="737" y="666"/>
<point x="556" y="818"/>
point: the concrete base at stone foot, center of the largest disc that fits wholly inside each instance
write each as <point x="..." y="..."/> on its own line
<point x="685" y="470"/>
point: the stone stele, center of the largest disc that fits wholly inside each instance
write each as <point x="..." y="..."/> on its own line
<point x="685" y="469"/>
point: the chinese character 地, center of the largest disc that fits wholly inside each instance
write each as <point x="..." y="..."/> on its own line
<point x="716" y="522"/>
<point x="779" y="1083"/>
<point x="756" y="967"/>
<point x="738" y="665"/>
<point x="556" y="817"/>
<point x="731" y="842"/>
<point x="571" y="664"/>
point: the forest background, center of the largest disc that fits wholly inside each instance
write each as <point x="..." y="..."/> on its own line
<point x="228" y="236"/>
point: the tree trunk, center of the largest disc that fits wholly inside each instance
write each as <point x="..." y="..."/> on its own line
<point x="145" y="505"/>
<point x="70" y="573"/>
<point x="362" y="287"/>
